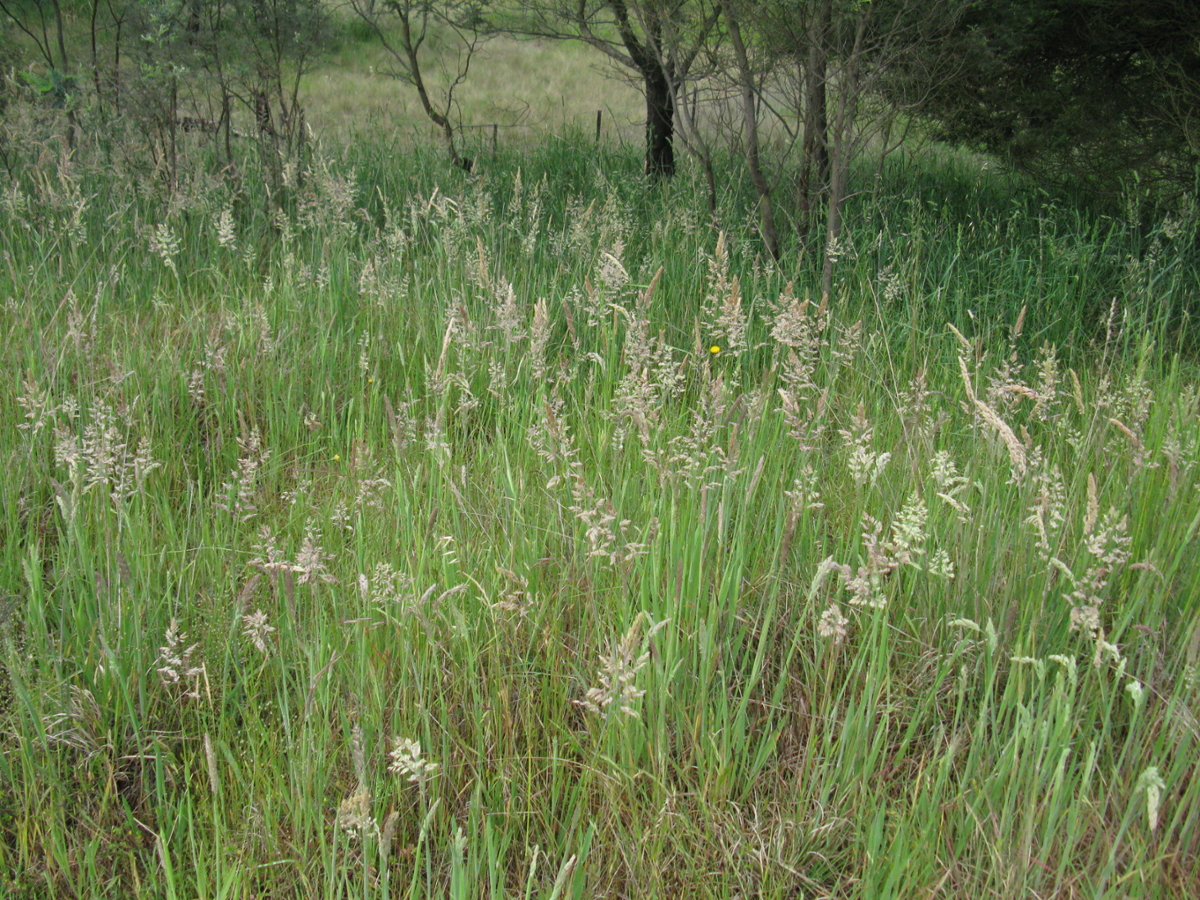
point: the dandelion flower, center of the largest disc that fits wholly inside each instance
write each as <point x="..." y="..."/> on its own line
<point x="715" y="349"/>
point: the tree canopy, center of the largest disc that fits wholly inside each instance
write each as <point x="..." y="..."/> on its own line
<point x="1095" y="90"/>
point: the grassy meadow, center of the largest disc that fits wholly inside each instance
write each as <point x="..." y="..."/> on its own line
<point x="524" y="535"/>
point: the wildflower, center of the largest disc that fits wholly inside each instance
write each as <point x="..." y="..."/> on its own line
<point x="715" y="349"/>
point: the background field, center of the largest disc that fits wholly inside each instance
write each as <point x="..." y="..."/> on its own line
<point x="528" y="534"/>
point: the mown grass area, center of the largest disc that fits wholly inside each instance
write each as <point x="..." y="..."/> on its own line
<point x="524" y="88"/>
<point x="524" y="535"/>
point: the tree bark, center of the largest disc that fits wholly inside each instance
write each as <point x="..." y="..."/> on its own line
<point x="814" y="177"/>
<point x="660" y="122"/>
<point x="647" y="58"/>
<point x="762" y="187"/>
<point x="841" y="136"/>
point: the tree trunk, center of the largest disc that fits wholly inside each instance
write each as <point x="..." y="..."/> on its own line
<point x="647" y="58"/>
<point x="750" y="128"/>
<point x="438" y="119"/>
<point x="65" y="69"/>
<point x="814" y="177"/>
<point x="841" y="136"/>
<point x="660" y="122"/>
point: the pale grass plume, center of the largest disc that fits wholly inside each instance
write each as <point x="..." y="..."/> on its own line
<point x="616" y="688"/>
<point x="805" y="421"/>
<point x="81" y="325"/>
<point x="226" y="230"/>
<point x="864" y="464"/>
<point x="905" y="545"/>
<point x="950" y="483"/>
<point x="1016" y="452"/>
<point x="507" y="314"/>
<point x="1093" y="506"/>
<point x="611" y="273"/>
<point x="354" y="813"/>
<point x="387" y="587"/>
<point x="312" y="559"/>
<point x="165" y="244"/>
<point x="1005" y="383"/>
<point x="514" y="597"/>
<point x="238" y="497"/>
<point x="731" y="324"/>
<point x="101" y="457"/>
<point x="179" y="668"/>
<point x="36" y="406"/>
<point x="1048" y="513"/>
<point x="539" y="339"/>
<point x="81" y="726"/>
<point x="891" y="284"/>
<point x="720" y="311"/>
<point x="833" y="624"/>
<point x="914" y="409"/>
<point x="1151" y="782"/>
<point x="257" y="630"/>
<point x="1137" y="693"/>
<point x="1069" y="665"/>
<point x="799" y="329"/>
<point x="407" y="761"/>
<point x="805" y="494"/>
<point x="1139" y="456"/>
<point x="847" y="344"/>
<point x="1047" y="389"/>
<point x="606" y="533"/>
<point x="271" y="559"/>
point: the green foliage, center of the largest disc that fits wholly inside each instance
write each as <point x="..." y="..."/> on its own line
<point x="1093" y="90"/>
<point x="53" y="85"/>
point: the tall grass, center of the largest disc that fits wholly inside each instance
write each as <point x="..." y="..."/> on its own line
<point x="528" y="536"/>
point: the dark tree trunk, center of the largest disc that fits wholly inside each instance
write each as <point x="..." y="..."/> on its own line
<point x="660" y="122"/>
<point x="814" y="178"/>
<point x="648" y="59"/>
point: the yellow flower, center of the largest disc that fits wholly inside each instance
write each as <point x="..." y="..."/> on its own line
<point x="714" y="349"/>
<point x="337" y="457"/>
